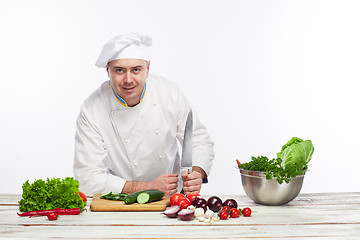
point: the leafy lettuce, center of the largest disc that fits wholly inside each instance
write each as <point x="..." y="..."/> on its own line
<point x="296" y="152"/>
<point x="50" y="194"/>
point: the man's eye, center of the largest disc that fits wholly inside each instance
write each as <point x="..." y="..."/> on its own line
<point x="119" y="70"/>
<point x="136" y="70"/>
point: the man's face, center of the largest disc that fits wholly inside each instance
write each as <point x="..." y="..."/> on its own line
<point x="128" y="78"/>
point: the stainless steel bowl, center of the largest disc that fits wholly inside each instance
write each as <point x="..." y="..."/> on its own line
<point x="269" y="192"/>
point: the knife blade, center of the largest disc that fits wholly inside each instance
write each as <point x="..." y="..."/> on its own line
<point x="186" y="162"/>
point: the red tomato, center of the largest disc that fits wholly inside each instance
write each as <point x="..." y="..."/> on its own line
<point x="191" y="196"/>
<point x="246" y="212"/>
<point x="226" y="208"/>
<point x="183" y="203"/>
<point x="223" y="215"/>
<point x="175" y="197"/>
<point x="234" y="213"/>
<point x="83" y="196"/>
<point x="52" y="216"/>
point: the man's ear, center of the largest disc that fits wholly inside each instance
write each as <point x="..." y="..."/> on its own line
<point x="148" y="68"/>
<point x="107" y="70"/>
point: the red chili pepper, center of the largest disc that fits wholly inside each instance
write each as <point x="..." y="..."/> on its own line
<point x="70" y="211"/>
<point x="58" y="211"/>
<point x="37" y="213"/>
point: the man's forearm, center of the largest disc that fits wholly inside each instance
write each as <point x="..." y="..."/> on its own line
<point x="167" y="183"/>
<point x="131" y="187"/>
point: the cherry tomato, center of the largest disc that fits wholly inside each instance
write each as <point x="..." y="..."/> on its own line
<point x="191" y="196"/>
<point x="175" y="197"/>
<point x="246" y="212"/>
<point x="223" y="215"/>
<point x="83" y="196"/>
<point x="183" y="203"/>
<point x="226" y="208"/>
<point x="52" y="216"/>
<point x="234" y="213"/>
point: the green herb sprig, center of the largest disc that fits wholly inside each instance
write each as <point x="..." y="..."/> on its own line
<point x="272" y="169"/>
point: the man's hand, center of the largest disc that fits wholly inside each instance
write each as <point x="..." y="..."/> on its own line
<point x="191" y="181"/>
<point x="167" y="183"/>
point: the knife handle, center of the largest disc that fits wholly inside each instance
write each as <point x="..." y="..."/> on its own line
<point x="188" y="169"/>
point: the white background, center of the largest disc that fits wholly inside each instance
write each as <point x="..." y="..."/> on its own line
<point x="258" y="73"/>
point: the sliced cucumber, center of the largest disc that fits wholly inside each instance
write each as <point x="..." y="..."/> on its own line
<point x="149" y="196"/>
<point x="143" y="198"/>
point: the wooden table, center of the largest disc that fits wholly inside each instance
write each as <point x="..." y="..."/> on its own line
<point x="309" y="216"/>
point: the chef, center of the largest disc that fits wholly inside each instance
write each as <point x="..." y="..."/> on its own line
<point x="130" y="131"/>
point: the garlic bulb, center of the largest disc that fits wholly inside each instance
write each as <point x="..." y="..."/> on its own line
<point x="199" y="212"/>
<point x="209" y="214"/>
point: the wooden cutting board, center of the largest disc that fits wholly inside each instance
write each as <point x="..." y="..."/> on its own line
<point x="104" y="205"/>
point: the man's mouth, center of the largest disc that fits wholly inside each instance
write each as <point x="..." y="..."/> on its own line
<point x="128" y="89"/>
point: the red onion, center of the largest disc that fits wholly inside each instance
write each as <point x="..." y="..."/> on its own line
<point x="214" y="203"/>
<point x="186" y="214"/>
<point x="231" y="203"/>
<point x="172" y="211"/>
<point x="200" y="202"/>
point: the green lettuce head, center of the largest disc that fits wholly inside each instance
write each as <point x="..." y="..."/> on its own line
<point x="296" y="153"/>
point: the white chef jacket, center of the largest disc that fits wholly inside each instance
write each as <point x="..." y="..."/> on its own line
<point x="115" y="144"/>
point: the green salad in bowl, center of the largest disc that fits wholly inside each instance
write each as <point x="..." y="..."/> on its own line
<point x="291" y="161"/>
<point x="279" y="180"/>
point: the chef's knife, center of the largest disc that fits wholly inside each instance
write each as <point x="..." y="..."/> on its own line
<point x="186" y="162"/>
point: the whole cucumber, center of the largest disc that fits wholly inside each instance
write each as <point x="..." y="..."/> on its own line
<point x="153" y="193"/>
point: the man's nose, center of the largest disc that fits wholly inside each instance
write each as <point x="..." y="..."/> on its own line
<point x="128" y="78"/>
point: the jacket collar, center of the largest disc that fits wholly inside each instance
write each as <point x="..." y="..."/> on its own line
<point x="122" y="101"/>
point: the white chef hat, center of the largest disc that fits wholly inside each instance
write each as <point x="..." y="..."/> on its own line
<point x="131" y="45"/>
